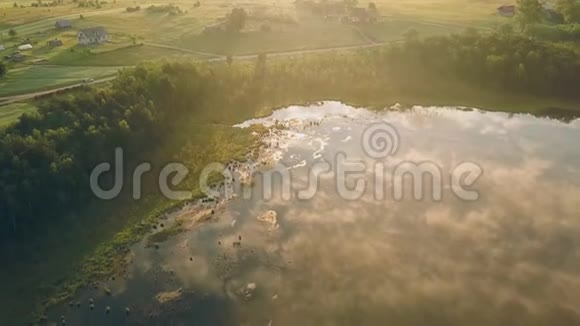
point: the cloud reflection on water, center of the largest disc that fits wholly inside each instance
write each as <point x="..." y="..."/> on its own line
<point x="510" y="258"/>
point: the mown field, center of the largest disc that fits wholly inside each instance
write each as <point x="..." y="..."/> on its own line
<point x="37" y="78"/>
<point x="9" y="113"/>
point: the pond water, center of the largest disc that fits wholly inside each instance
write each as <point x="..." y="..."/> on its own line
<point x="502" y="249"/>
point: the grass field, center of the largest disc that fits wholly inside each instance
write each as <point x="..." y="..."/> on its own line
<point x="9" y="113"/>
<point x="166" y="36"/>
<point x="125" y="56"/>
<point x="431" y="17"/>
<point x="178" y="36"/>
<point x="35" y="78"/>
<point x="281" y="38"/>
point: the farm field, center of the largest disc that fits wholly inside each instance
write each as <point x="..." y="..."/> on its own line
<point x="36" y="78"/>
<point x="289" y="27"/>
<point x="177" y="32"/>
<point x="9" y="113"/>
<point x="125" y="56"/>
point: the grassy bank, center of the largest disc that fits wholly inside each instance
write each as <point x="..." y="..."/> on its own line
<point x="457" y="93"/>
<point x="91" y="246"/>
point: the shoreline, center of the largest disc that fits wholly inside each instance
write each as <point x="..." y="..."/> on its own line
<point x="112" y="253"/>
<point x="110" y="257"/>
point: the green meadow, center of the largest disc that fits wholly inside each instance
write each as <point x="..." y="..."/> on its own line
<point x="42" y="77"/>
<point x="10" y="113"/>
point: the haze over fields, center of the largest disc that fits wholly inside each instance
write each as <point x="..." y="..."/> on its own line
<point x="137" y="139"/>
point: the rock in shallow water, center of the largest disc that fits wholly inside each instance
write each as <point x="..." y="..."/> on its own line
<point x="270" y="217"/>
<point x="164" y="297"/>
<point x="248" y="291"/>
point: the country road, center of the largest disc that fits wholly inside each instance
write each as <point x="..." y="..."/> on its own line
<point x="215" y="58"/>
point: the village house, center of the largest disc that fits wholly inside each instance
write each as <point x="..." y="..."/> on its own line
<point x="63" y="24"/>
<point x="24" y="47"/>
<point x="2" y="47"/>
<point x="54" y="43"/>
<point x="506" y="10"/>
<point x="93" y="35"/>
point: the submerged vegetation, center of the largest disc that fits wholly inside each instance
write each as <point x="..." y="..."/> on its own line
<point x="165" y="234"/>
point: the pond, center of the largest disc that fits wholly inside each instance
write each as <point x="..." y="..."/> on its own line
<point x="420" y="216"/>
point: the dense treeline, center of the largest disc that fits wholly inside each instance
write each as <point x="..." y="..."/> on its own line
<point x="557" y="33"/>
<point x="501" y="60"/>
<point x="46" y="158"/>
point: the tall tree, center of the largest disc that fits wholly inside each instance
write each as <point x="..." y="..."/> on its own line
<point x="3" y="70"/>
<point x="236" y="20"/>
<point x="570" y="10"/>
<point x="260" y="68"/>
<point x="530" y="12"/>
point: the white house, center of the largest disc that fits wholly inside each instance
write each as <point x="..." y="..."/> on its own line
<point x="24" y="47"/>
<point x="2" y="47"/>
<point x="548" y="6"/>
<point x="506" y="10"/>
<point x="93" y="35"/>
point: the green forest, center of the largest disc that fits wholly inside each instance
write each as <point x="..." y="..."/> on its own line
<point x="501" y="60"/>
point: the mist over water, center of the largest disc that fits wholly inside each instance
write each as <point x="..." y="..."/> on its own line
<point x="509" y="258"/>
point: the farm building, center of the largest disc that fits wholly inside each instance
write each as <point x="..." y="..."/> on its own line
<point x="216" y="28"/>
<point x="93" y="35"/>
<point x="506" y="11"/>
<point x="54" y="43"/>
<point x="24" y="47"/>
<point x="62" y="24"/>
<point x="359" y="15"/>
